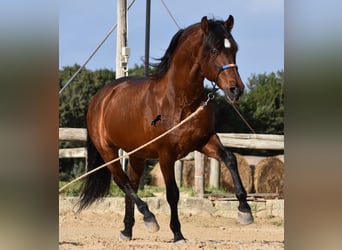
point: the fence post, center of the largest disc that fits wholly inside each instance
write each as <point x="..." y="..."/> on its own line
<point x="178" y="172"/>
<point x="214" y="176"/>
<point x="199" y="174"/>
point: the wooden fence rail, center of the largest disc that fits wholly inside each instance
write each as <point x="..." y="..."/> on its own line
<point x="72" y="134"/>
<point x="251" y="141"/>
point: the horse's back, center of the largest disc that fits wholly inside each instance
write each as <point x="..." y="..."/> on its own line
<point x="118" y="90"/>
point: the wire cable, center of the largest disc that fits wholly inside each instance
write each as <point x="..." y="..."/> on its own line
<point x="92" y="54"/>
<point x="170" y="14"/>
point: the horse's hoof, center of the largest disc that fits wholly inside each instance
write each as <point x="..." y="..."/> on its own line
<point x="181" y="241"/>
<point x="179" y="238"/>
<point x="245" y="217"/>
<point x="123" y="237"/>
<point x="152" y="226"/>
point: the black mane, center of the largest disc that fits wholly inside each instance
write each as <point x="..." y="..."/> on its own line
<point x="161" y="68"/>
<point x="215" y="38"/>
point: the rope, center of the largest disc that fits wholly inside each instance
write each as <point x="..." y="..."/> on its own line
<point x="170" y="14"/>
<point x="243" y="119"/>
<point x="200" y="108"/>
<point x="238" y="112"/>
<point x="213" y="83"/>
<point x="94" y="52"/>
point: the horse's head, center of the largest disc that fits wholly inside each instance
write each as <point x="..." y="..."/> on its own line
<point x="219" y="57"/>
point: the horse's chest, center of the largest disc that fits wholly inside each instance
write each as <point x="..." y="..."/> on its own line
<point x="195" y="132"/>
<point x="193" y="135"/>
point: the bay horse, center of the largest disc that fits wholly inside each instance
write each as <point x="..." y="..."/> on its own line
<point x="131" y="111"/>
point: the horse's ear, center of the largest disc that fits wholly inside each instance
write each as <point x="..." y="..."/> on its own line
<point x="205" y="25"/>
<point x="229" y="23"/>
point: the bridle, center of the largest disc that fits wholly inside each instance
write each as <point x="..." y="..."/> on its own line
<point x="213" y="83"/>
<point x="222" y="68"/>
<point x="215" y="53"/>
<point x="211" y="94"/>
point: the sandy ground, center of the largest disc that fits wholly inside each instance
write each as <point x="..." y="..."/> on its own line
<point x="100" y="230"/>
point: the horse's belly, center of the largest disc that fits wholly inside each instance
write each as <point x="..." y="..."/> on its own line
<point x="129" y="133"/>
<point x="129" y="129"/>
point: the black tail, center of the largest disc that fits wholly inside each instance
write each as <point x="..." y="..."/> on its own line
<point x="97" y="184"/>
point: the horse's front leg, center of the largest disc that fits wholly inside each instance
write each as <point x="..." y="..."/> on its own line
<point x="172" y="194"/>
<point x="215" y="149"/>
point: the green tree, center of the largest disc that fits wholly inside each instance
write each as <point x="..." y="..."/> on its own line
<point x="137" y="70"/>
<point x="75" y="98"/>
<point x="226" y="118"/>
<point x="263" y="104"/>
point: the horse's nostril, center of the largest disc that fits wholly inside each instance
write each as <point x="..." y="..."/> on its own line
<point x="234" y="90"/>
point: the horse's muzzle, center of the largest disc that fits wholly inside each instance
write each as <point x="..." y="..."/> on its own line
<point x="233" y="94"/>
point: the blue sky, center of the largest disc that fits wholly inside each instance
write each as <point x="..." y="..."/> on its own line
<point x="258" y="29"/>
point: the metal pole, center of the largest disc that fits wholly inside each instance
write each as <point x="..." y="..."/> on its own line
<point x="147" y="37"/>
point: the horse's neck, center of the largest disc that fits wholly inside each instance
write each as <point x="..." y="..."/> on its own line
<point x="186" y="77"/>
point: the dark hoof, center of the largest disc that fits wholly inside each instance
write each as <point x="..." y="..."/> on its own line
<point x="123" y="237"/>
<point x="245" y="218"/>
<point x="151" y="224"/>
<point x="179" y="238"/>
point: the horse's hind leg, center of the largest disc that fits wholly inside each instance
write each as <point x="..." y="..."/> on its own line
<point x="124" y="183"/>
<point x="215" y="149"/>
<point x="172" y="194"/>
<point x="134" y="172"/>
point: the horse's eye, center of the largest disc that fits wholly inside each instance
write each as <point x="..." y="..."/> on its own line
<point x="214" y="51"/>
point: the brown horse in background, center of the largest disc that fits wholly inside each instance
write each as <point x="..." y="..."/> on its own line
<point x="131" y="111"/>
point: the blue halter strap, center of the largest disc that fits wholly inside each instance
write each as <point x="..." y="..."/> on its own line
<point x="227" y="66"/>
<point x="213" y="83"/>
<point x="224" y="67"/>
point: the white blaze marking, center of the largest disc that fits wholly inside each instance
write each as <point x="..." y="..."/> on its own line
<point x="226" y="43"/>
